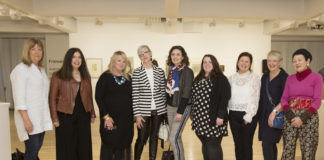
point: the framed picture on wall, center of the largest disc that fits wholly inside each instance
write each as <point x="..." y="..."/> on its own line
<point x="94" y="66"/>
<point x="195" y="64"/>
<point x="130" y="65"/>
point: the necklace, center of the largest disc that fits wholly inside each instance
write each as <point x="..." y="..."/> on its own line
<point x="120" y="82"/>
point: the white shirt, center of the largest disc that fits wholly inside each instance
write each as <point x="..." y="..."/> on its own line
<point x="245" y="90"/>
<point x="149" y="73"/>
<point x="30" y="88"/>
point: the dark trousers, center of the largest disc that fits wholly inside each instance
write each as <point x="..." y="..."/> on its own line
<point x="150" y="129"/>
<point x="33" y="145"/>
<point x="110" y="153"/>
<point x="73" y="137"/>
<point x="242" y="135"/>
<point x="270" y="151"/>
<point x="211" y="147"/>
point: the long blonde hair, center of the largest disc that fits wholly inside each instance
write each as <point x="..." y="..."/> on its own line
<point x="113" y="59"/>
<point x="30" y="43"/>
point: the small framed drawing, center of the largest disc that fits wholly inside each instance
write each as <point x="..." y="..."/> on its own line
<point x="94" y="66"/>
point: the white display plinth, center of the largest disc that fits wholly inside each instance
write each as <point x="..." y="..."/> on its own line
<point x="320" y="153"/>
<point x="5" y="146"/>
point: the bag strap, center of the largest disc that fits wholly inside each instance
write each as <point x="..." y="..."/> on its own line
<point x="268" y="92"/>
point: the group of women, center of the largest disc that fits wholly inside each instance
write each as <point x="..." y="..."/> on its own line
<point x="147" y="97"/>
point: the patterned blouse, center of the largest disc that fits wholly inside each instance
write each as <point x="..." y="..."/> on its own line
<point x="245" y="94"/>
<point x="200" y="111"/>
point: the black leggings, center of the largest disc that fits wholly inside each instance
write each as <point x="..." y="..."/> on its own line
<point x="211" y="147"/>
<point x="150" y="129"/>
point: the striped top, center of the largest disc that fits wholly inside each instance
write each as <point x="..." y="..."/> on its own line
<point x="142" y="95"/>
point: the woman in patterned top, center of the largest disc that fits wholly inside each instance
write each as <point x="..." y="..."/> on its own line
<point x="243" y="106"/>
<point x="301" y="99"/>
<point x="210" y="95"/>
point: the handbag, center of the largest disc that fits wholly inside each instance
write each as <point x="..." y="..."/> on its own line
<point x="164" y="130"/>
<point x="18" y="155"/>
<point x="167" y="155"/>
<point x="279" y="119"/>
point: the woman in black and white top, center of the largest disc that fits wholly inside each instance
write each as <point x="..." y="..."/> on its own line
<point x="149" y="102"/>
<point x="243" y="106"/>
<point x="210" y="94"/>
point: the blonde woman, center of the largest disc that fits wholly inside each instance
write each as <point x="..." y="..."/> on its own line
<point x="30" y="87"/>
<point x="149" y="102"/>
<point x="272" y="83"/>
<point x="114" y="99"/>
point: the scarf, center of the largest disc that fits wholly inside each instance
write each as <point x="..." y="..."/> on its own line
<point x="302" y="75"/>
<point x="173" y="79"/>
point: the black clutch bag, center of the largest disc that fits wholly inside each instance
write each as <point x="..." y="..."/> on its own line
<point x="167" y="155"/>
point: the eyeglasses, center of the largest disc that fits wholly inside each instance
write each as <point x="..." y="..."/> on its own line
<point x="144" y="53"/>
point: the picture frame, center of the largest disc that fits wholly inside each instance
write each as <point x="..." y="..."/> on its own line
<point x="94" y="67"/>
<point x="195" y="65"/>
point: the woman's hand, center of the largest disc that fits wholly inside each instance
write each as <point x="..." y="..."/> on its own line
<point x="272" y="116"/>
<point x="178" y="117"/>
<point x="28" y="126"/>
<point x="139" y="121"/>
<point x="109" y="123"/>
<point x="296" y="122"/>
<point x="56" y="124"/>
<point x="246" y="122"/>
<point x="219" y="121"/>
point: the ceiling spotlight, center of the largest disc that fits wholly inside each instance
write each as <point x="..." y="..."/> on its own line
<point x="59" y="22"/>
<point x="212" y="23"/>
<point x="99" y="22"/>
<point x="41" y="22"/>
<point x="241" y="24"/>
<point x="15" y="16"/>
<point x="4" y="11"/>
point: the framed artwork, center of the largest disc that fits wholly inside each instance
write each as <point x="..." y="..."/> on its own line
<point x="195" y="64"/>
<point x="130" y="65"/>
<point x="222" y="67"/>
<point x="94" y="66"/>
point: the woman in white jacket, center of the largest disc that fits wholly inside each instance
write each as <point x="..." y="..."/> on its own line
<point x="30" y="87"/>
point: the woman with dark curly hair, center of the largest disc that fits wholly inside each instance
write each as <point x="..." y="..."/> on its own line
<point x="179" y="81"/>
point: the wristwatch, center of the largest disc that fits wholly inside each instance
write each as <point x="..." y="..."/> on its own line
<point x="275" y="111"/>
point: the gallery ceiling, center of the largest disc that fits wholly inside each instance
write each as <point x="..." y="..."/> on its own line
<point x="279" y="16"/>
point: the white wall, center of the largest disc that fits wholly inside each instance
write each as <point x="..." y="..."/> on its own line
<point x="225" y="41"/>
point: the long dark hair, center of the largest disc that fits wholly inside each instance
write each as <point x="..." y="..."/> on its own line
<point x="213" y="74"/>
<point x="183" y="53"/>
<point x="65" y="73"/>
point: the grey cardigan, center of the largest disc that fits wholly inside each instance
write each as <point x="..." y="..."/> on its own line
<point x="181" y="98"/>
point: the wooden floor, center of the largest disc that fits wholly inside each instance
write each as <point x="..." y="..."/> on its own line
<point x="192" y="144"/>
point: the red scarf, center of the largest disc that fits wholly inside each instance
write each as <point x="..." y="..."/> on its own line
<point x="302" y="75"/>
<point x="172" y="71"/>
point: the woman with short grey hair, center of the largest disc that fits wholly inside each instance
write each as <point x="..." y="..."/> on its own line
<point x="149" y="99"/>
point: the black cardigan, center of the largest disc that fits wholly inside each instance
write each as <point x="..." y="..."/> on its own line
<point x="220" y="95"/>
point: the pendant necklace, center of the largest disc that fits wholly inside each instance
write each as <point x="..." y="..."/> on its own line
<point x="121" y="81"/>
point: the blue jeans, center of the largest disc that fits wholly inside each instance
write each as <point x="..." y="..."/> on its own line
<point x="33" y="145"/>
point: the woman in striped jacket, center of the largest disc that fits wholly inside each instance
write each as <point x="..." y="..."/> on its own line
<point x="149" y="102"/>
